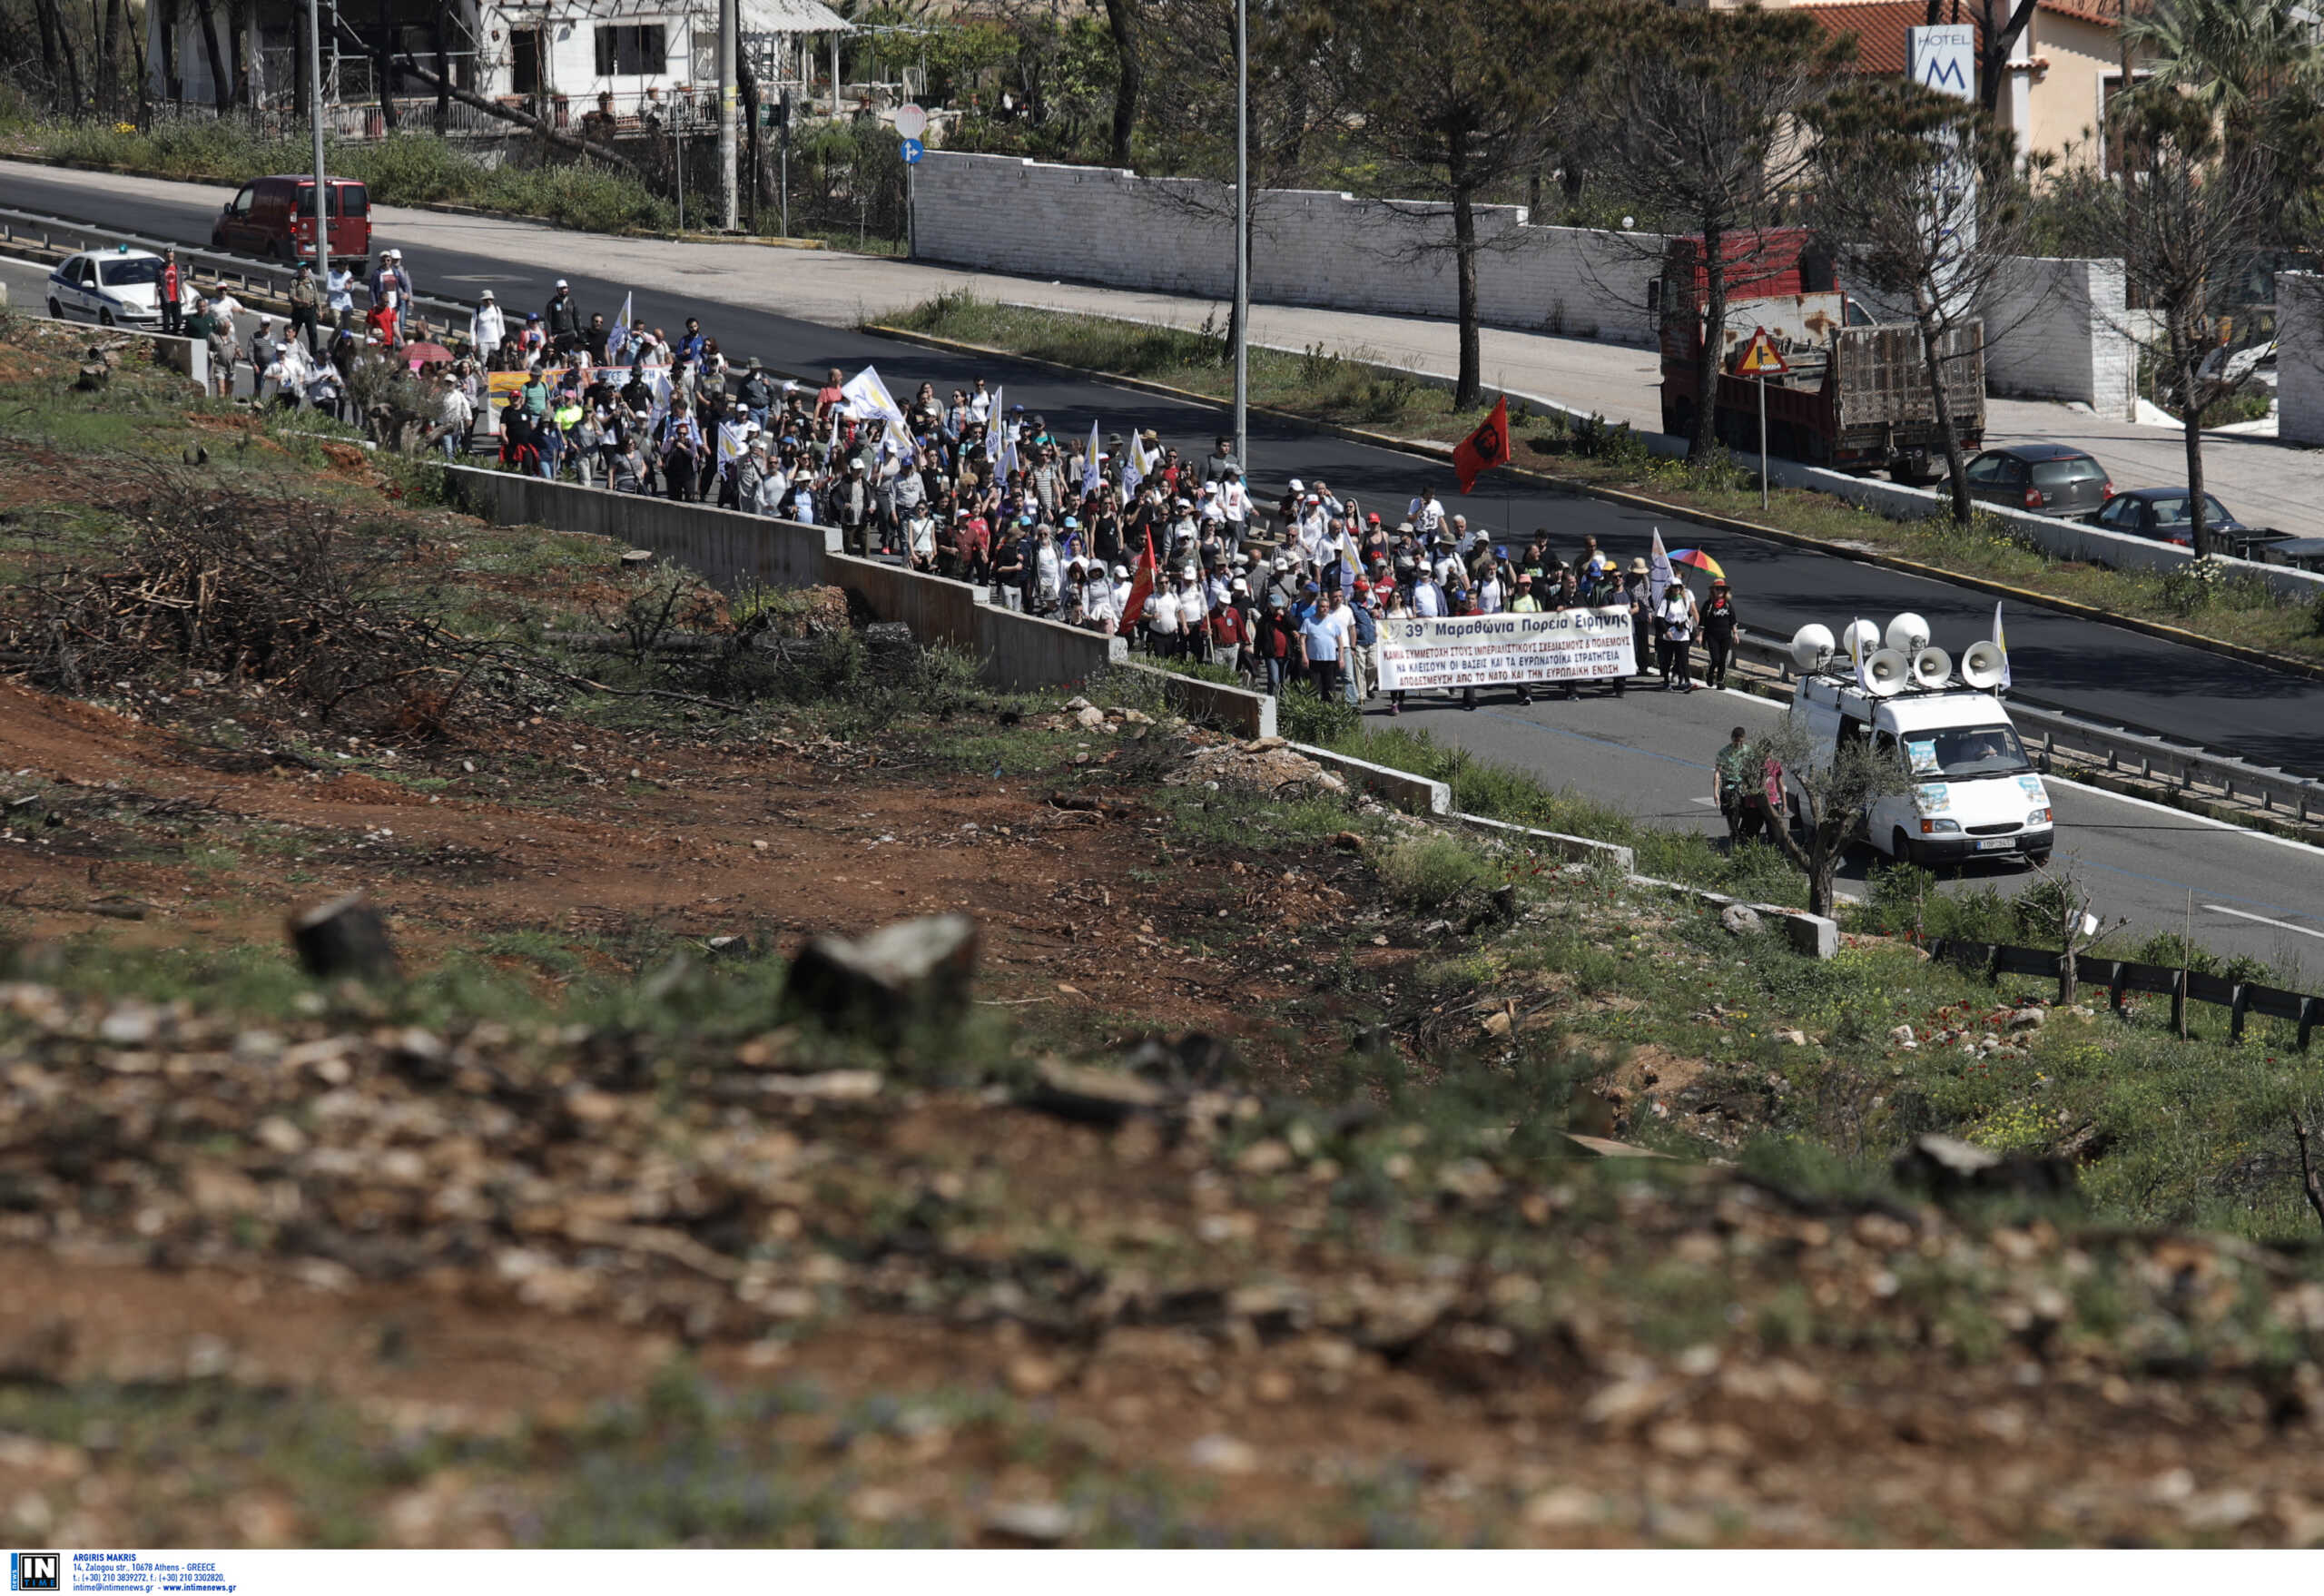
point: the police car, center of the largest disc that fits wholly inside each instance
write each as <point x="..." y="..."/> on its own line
<point x="112" y="287"/>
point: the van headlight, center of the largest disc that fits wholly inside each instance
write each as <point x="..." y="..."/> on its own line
<point x="2040" y="817"/>
<point x="1939" y="828"/>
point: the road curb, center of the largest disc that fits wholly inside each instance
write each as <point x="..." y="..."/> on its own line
<point x="1422" y="449"/>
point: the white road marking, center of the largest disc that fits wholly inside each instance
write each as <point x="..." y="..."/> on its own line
<point x="1706" y="803"/>
<point x="2263" y="920"/>
<point x="2201" y="820"/>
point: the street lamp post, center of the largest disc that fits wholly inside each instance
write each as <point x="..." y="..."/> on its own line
<point x="323" y="199"/>
<point x="728" y="52"/>
<point x="1243" y="235"/>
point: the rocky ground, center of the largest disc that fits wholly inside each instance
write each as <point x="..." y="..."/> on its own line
<point x="1285" y="1172"/>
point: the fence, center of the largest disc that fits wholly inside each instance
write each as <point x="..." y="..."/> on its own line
<point x="2121" y="977"/>
<point x="2051" y="733"/>
<point x="34" y="235"/>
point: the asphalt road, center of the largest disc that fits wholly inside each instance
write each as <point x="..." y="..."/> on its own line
<point x="2083" y="666"/>
<point x="1650" y="753"/>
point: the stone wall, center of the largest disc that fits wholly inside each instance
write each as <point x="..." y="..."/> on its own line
<point x="2299" y="358"/>
<point x="2055" y="331"/>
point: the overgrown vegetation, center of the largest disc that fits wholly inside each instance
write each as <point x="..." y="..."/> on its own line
<point x="409" y="168"/>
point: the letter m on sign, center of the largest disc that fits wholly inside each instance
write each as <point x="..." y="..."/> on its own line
<point x="36" y="1571"/>
<point x="1944" y="59"/>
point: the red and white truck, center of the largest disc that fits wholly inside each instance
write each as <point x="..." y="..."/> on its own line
<point x="1856" y="396"/>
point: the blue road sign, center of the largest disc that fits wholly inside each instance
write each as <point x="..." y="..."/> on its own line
<point x="913" y="150"/>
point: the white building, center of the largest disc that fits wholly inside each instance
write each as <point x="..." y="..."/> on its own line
<point x="554" y="58"/>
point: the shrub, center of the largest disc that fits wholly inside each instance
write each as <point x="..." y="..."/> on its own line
<point x="1434" y="873"/>
<point x="1304" y="717"/>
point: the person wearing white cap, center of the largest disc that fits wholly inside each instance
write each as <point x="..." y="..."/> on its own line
<point x="1194" y="611"/>
<point x="1234" y="504"/>
<point x="390" y="286"/>
<point x="1164" y="637"/>
<point x="561" y="318"/>
<point x="1100" y="612"/>
<point x="491" y="325"/>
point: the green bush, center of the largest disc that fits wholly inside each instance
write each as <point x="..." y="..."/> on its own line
<point x="1304" y="717"/>
<point x="1435" y="873"/>
<point x="409" y="169"/>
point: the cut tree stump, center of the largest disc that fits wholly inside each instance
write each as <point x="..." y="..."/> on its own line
<point x="344" y="938"/>
<point x="912" y="975"/>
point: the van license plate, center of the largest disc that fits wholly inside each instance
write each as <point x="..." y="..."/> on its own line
<point x="1994" y="844"/>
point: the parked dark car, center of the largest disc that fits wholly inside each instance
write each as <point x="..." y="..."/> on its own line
<point x="2046" y="478"/>
<point x="2166" y="515"/>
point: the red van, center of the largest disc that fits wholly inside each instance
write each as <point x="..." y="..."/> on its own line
<point x="275" y="217"/>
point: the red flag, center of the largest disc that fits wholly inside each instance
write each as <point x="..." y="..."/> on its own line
<point x="1484" y="448"/>
<point x="1141" y="585"/>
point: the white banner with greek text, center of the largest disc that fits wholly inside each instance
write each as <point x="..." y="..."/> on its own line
<point x="1433" y="654"/>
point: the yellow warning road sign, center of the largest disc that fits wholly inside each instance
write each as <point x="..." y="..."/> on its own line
<point x="1760" y="357"/>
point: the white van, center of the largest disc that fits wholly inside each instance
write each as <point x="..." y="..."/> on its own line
<point x="1975" y="795"/>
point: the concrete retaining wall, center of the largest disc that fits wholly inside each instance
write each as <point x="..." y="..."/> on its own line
<point x="730" y="550"/>
<point x="1235" y="709"/>
<point x="1412" y="793"/>
<point x="1312" y="247"/>
<point x="2063" y="319"/>
<point x="2300" y="356"/>
<point x="2058" y="330"/>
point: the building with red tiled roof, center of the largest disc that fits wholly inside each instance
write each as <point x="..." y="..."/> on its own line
<point x="2062" y="69"/>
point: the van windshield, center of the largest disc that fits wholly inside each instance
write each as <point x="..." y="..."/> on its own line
<point x="1961" y="752"/>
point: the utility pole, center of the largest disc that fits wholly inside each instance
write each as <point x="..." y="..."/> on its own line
<point x="727" y="50"/>
<point x="322" y="198"/>
<point x="1243" y="235"/>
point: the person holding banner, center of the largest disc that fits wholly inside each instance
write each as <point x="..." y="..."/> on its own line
<point x="1643" y="623"/>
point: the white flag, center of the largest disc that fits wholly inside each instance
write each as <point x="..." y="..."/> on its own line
<point x="2001" y="641"/>
<point x="1008" y="465"/>
<point x="1089" y="465"/>
<point x="618" y="344"/>
<point x="866" y="396"/>
<point x="1658" y="574"/>
<point x="1133" y="467"/>
<point x="732" y="445"/>
<point x="994" y="418"/>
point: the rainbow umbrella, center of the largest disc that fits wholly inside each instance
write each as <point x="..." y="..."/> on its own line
<point x="1698" y="559"/>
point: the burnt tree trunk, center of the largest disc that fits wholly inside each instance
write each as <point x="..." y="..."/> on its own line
<point x="205" y="15"/>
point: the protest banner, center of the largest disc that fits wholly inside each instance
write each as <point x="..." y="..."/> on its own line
<point x="1434" y="654"/>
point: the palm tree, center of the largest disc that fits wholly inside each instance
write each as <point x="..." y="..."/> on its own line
<point x="2231" y="56"/>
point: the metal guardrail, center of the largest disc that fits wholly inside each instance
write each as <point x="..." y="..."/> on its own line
<point x="2124" y="976"/>
<point x="61" y="236"/>
<point x="2054" y="731"/>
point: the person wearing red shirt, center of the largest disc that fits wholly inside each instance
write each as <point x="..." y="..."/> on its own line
<point x="173" y="296"/>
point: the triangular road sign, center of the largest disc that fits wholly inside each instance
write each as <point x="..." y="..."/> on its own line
<point x="1761" y="358"/>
